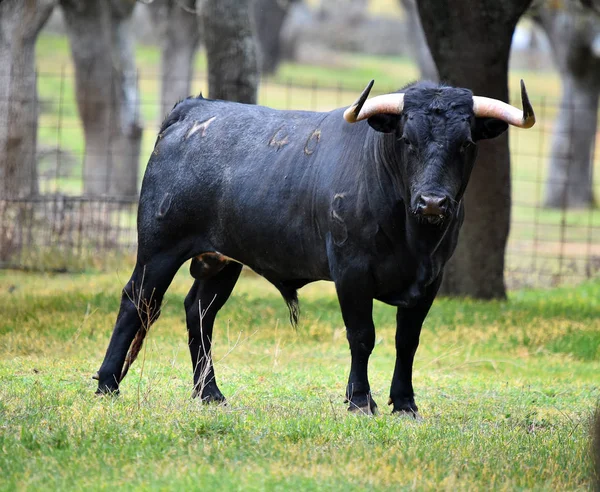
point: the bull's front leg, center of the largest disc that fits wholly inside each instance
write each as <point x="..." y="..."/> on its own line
<point x="357" y="311"/>
<point x="408" y="330"/>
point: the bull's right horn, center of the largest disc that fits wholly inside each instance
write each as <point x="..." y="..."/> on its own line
<point x="363" y="108"/>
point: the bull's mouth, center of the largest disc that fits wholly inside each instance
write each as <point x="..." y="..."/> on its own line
<point x="433" y="219"/>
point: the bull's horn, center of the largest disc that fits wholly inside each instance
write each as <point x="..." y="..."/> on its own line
<point x="363" y="109"/>
<point x="493" y="108"/>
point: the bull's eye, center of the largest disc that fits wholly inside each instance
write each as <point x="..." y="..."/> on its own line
<point x="466" y="145"/>
<point x="404" y="139"/>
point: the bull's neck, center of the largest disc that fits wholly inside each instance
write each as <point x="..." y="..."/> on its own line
<point x="382" y="170"/>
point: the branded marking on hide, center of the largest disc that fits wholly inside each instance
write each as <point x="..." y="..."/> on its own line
<point x="279" y="138"/>
<point x="164" y="206"/>
<point x="312" y="142"/>
<point x="339" y="231"/>
<point x="200" y="125"/>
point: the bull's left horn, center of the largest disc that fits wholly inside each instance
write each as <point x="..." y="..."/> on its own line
<point x="486" y="107"/>
<point x="363" y="109"/>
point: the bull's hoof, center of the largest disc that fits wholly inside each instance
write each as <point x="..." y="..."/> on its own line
<point x="409" y="414"/>
<point x="405" y="407"/>
<point x="209" y="394"/>
<point x="363" y="406"/>
<point x="366" y="410"/>
<point x="106" y="391"/>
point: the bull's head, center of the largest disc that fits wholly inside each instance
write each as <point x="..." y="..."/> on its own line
<point x="436" y="129"/>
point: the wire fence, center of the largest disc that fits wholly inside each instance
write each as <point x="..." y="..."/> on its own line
<point x="63" y="227"/>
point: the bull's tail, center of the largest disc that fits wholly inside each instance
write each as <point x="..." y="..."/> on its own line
<point x="134" y="349"/>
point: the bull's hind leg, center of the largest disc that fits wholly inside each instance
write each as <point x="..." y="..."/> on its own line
<point x="140" y="307"/>
<point x="215" y="279"/>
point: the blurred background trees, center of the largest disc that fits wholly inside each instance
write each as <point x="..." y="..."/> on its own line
<point x="269" y="17"/>
<point x="462" y="42"/>
<point x="178" y="29"/>
<point x="20" y="24"/>
<point x="573" y="30"/>
<point x="107" y="93"/>
<point x="417" y="43"/>
<point x="231" y="51"/>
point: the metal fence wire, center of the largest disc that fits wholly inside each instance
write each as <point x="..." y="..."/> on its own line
<point x="61" y="228"/>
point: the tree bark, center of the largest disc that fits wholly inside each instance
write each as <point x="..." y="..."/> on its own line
<point x="470" y="43"/>
<point x="418" y="43"/>
<point x="269" y="16"/>
<point x="178" y="29"/>
<point x="351" y="11"/>
<point x="107" y="94"/>
<point x="231" y="50"/>
<point x="20" y="24"/>
<point x="573" y="31"/>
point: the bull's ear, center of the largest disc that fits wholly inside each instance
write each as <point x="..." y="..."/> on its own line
<point x="385" y="123"/>
<point x="488" y="128"/>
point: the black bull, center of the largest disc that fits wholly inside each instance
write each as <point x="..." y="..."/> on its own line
<point x="375" y="207"/>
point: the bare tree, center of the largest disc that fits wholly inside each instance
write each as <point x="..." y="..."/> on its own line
<point x="470" y="43"/>
<point x="230" y="50"/>
<point x="417" y="42"/>
<point x="20" y="23"/>
<point x="178" y="27"/>
<point x="574" y="34"/>
<point x="269" y="16"/>
<point x="107" y="93"/>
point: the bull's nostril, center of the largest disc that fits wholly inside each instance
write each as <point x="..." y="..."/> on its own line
<point x="432" y="205"/>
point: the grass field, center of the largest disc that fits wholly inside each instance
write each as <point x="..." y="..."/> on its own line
<point x="507" y="391"/>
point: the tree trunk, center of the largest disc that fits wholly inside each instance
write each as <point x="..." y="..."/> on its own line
<point x="230" y="50"/>
<point x="573" y="31"/>
<point x="470" y="43"/>
<point x="418" y="43"/>
<point x="178" y="29"/>
<point x="351" y="11"/>
<point x="107" y="94"/>
<point x="570" y="179"/>
<point x="269" y="16"/>
<point x="20" y="23"/>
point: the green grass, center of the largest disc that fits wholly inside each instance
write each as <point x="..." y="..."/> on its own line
<point x="507" y="391"/>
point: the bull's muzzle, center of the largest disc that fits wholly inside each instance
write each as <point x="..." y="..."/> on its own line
<point x="433" y="208"/>
<point x="432" y="205"/>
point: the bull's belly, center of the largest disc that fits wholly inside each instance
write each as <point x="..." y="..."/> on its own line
<point x="281" y="263"/>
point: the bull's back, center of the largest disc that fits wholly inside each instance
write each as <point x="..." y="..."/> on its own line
<point x="252" y="181"/>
